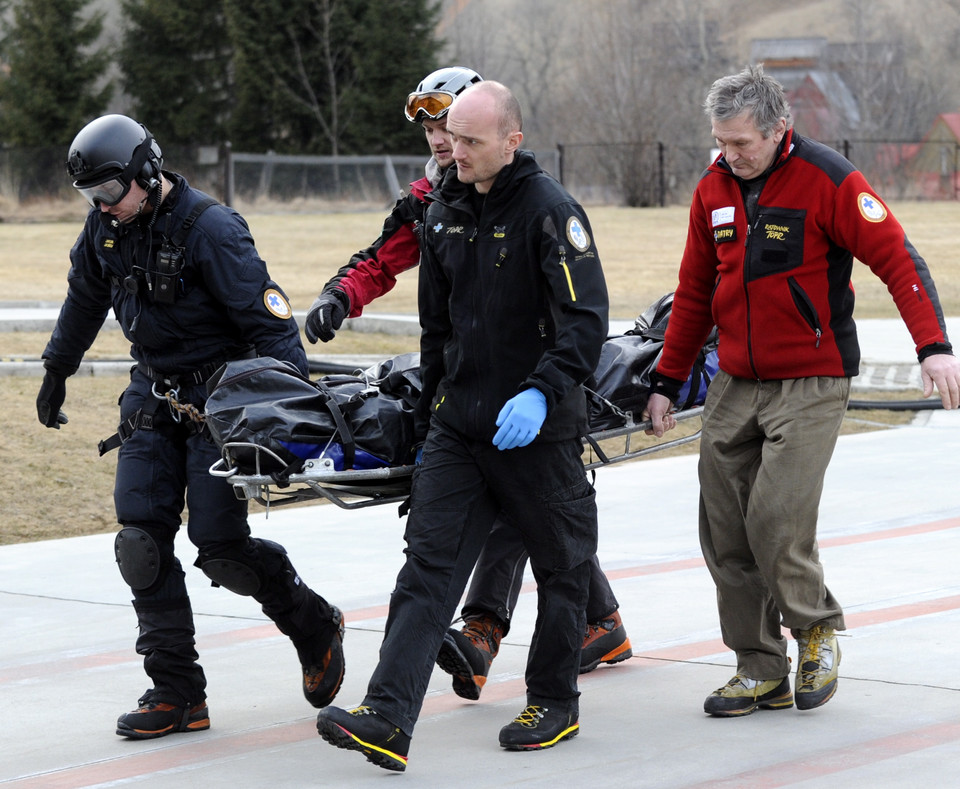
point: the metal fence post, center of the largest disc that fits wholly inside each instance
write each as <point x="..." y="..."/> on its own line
<point x="227" y="174"/>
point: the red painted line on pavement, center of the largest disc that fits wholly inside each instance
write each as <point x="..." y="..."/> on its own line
<point x="827" y="763"/>
<point x="242" y="635"/>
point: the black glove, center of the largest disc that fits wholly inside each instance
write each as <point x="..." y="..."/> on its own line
<point x="326" y="315"/>
<point x="53" y="391"/>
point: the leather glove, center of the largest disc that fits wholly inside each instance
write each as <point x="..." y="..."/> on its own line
<point x="326" y="315"/>
<point x="53" y="391"/>
<point x="520" y="419"/>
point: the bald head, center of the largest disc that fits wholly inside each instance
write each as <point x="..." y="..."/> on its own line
<point x="485" y="124"/>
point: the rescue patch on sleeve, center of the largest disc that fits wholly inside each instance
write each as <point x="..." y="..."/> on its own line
<point x="871" y="208"/>
<point x="577" y="234"/>
<point x="276" y="304"/>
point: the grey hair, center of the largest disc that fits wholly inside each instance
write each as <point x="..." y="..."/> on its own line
<point x="749" y="91"/>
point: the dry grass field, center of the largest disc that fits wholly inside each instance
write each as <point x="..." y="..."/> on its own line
<point x="58" y="486"/>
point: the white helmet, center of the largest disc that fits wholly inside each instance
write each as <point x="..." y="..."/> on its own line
<point x="436" y="92"/>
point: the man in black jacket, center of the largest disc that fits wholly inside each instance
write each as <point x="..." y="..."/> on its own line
<point x="513" y="307"/>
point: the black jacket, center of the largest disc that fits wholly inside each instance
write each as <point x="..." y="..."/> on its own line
<point x="225" y="304"/>
<point x="510" y="298"/>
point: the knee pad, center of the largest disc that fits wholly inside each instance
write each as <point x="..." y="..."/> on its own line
<point x="241" y="567"/>
<point x="139" y="557"/>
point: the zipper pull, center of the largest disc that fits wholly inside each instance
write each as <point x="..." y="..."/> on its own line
<point x="502" y="256"/>
<point x="819" y="334"/>
<point x="566" y="270"/>
<point x="542" y="326"/>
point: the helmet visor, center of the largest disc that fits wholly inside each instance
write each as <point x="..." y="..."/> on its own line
<point x="107" y="193"/>
<point x="431" y="104"/>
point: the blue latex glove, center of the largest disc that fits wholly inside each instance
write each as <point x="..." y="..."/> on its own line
<point x="419" y="457"/>
<point x="520" y="419"/>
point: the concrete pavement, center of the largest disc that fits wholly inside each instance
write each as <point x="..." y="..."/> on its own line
<point x="889" y="538"/>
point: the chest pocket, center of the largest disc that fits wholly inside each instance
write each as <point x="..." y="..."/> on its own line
<point x="776" y="242"/>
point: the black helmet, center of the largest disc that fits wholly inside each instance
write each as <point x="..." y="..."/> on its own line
<point x="436" y="92"/>
<point x="109" y="154"/>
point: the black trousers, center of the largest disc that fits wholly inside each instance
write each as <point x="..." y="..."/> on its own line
<point x="457" y="494"/>
<point x="159" y="471"/>
<point x="498" y="577"/>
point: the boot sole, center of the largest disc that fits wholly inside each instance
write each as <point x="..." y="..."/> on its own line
<point x="618" y="655"/>
<point x="140" y="734"/>
<point x="466" y="684"/>
<point x="774" y="704"/>
<point x="812" y="700"/>
<point x="566" y="734"/>
<point x="339" y="737"/>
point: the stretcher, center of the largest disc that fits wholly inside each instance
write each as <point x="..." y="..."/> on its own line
<point x="357" y="488"/>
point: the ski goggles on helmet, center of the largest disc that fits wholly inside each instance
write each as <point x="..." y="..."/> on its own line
<point x="107" y="193"/>
<point x="433" y="104"/>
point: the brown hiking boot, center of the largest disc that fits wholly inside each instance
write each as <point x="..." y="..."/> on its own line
<point x="157" y="719"/>
<point x="467" y="653"/>
<point x="322" y="679"/>
<point x="606" y="642"/>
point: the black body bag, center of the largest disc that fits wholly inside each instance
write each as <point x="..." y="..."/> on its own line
<point x="621" y="382"/>
<point x="359" y="421"/>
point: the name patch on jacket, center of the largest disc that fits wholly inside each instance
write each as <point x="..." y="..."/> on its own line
<point x="722" y="216"/>
<point x="722" y="234"/>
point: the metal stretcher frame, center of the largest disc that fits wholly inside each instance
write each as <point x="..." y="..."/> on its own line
<point x="355" y="488"/>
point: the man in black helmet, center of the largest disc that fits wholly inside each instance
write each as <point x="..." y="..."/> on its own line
<point x="190" y="292"/>
<point x="467" y="652"/>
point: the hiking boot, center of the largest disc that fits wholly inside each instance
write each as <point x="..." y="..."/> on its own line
<point x="818" y="662"/>
<point x="606" y="642"/>
<point x="743" y="695"/>
<point x="538" y="727"/>
<point x="158" y="719"/>
<point x="322" y="679"/>
<point x="467" y="653"/>
<point x="365" y="730"/>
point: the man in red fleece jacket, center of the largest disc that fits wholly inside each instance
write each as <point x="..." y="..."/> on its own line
<point x="775" y="224"/>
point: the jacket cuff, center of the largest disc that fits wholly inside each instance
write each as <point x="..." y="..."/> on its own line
<point x="933" y="349"/>
<point x="666" y="386"/>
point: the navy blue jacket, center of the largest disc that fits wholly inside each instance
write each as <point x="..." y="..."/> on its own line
<point x="226" y="303"/>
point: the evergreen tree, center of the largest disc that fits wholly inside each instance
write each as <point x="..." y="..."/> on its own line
<point x="54" y="85"/>
<point x="175" y="59"/>
<point x="328" y="76"/>
<point x="397" y="49"/>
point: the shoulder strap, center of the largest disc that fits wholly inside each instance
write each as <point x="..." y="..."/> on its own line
<point x="180" y="236"/>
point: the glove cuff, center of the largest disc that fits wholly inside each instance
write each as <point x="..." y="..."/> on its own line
<point x="58" y="368"/>
<point x="342" y="297"/>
